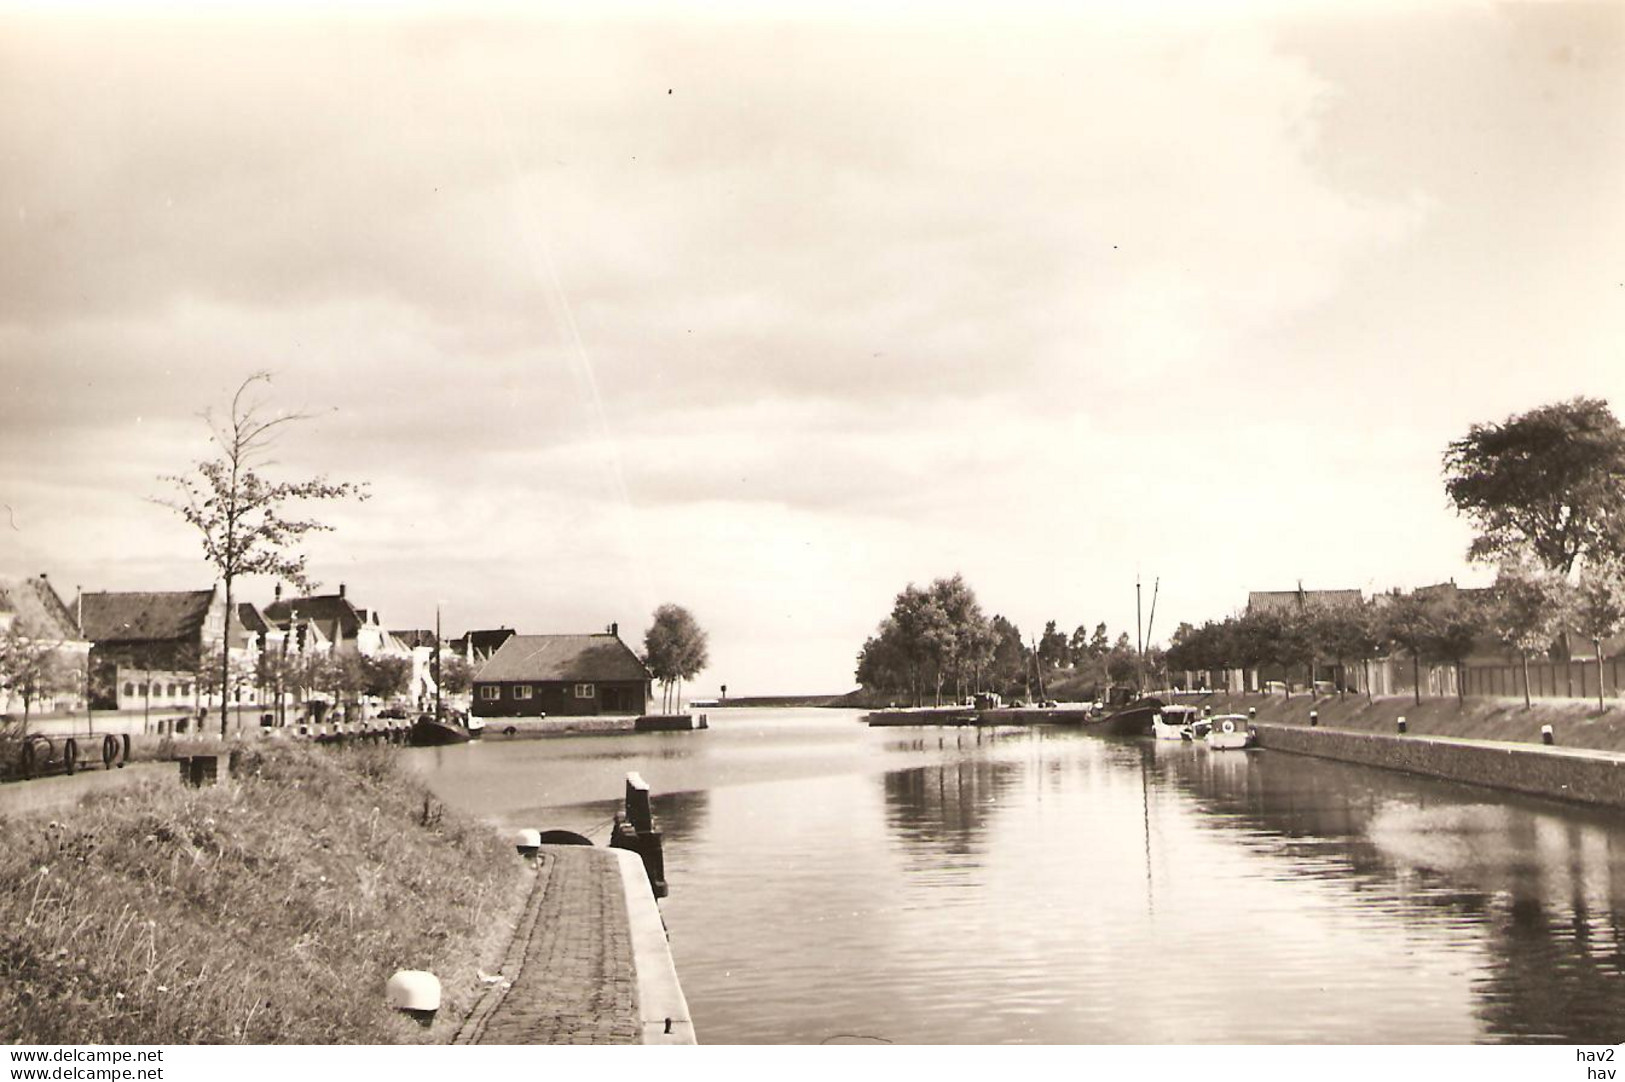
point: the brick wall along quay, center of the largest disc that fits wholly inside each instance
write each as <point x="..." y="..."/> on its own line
<point x="1591" y="777"/>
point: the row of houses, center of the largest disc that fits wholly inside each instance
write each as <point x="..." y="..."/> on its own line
<point x="144" y="650"/>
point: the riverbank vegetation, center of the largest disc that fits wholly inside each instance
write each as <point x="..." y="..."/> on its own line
<point x="270" y="908"/>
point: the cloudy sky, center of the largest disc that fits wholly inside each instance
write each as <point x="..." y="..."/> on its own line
<point x="771" y="313"/>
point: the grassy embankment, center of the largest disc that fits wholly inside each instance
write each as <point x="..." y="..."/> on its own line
<point x="1575" y="722"/>
<point x="270" y="908"/>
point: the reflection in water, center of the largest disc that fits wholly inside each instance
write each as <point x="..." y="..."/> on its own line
<point x="1540" y="880"/>
<point x="1046" y="885"/>
<point x="942" y="811"/>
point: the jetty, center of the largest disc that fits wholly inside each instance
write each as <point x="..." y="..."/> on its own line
<point x="1067" y="714"/>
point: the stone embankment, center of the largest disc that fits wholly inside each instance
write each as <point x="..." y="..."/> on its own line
<point x="1578" y="774"/>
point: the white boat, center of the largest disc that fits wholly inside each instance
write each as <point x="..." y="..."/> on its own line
<point x="1173" y="722"/>
<point x="1229" y="733"/>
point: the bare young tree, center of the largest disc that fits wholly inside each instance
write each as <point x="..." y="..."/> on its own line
<point x="243" y="517"/>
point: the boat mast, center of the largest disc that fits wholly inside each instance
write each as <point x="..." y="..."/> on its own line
<point x="437" y="663"/>
<point x="1139" y="639"/>
<point x="1152" y="622"/>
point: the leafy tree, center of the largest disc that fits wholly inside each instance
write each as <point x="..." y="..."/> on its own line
<point x="1010" y="656"/>
<point x="1053" y="651"/>
<point x="1456" y="627"/>
<point x="243" y="517"/>
<point x="31" y="667"/>
<point x="456" y="675"/>
<point x="675" y="648"/>
<point x="1122" y="663"/>
<point x="962" y="645"/>
<point x="1526" y="610"/>
<point x="1343" y="634"/>
<point x="1406" y="622"/>
<point x="385" y="676"/>
<point x="1077" y="647"/>
<point x="1548" y="484"/>
<point x="1099" y="643"/>
<point x="1597" y="606"/>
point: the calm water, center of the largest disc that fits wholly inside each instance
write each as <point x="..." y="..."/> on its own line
<point x="919" y="885"/>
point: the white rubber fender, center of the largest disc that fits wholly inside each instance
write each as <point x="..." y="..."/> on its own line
<point x="1227" y="726"/>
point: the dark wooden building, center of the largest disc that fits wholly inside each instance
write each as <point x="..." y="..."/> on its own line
<point x="568" y="675"/>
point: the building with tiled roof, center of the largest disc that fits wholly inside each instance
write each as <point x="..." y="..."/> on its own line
<point x="477" y="647"/>
<point x="351" y="630"/>
<point x="147" y="647"/>
<point x="1300" y="599"/>
<point x="532" y="675"/>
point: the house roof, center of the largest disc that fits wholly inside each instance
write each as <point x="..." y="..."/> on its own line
<point x="483" y="643"/>
<point x="252" y="619"/>
<point x="412" y="637"/>
<point x="1278" y="600"/>
<point x="38" y="607"/>
<point x="144" y="616"/>
<point x="563" y="658"/>
<point x="333" y="611"/>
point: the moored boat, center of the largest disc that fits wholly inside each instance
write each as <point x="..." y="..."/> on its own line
<point x="1174" y="722"/>
<point x="431" y="732"/>
<point x="1229" y="732"/>
<point x="1131" y="719"/>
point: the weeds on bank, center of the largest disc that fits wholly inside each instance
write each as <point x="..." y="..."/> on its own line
<point x="270" y="908"/>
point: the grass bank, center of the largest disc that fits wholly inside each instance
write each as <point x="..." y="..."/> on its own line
<point x="270" y="908"/>
<point x="1575" y="722"/>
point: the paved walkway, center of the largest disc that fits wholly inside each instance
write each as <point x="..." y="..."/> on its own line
<point x="570" y="962"/>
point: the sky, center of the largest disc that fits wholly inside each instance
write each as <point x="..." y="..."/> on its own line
<point x="770" y="311"/>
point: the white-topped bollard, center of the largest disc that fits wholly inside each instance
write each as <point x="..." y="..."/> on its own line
<point x="1314" y="718"/>
<point x="1401" y="723"/>
<point x="1546" y="735"/>
<point x="415" y="992"/>
<point x="527" y="841"/>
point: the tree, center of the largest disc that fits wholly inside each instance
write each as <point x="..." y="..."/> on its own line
<point x="1341" y="634"/>
<point x="241" y="515"/>
<point x="1456" y="625"/>
<point x="1406" y="622"/>
<point x="1077" y="647"/>
<point x="1597" y="606"/>
<point x="30" y="666"/>
<point x="385" y="676"/>
<point x="456" y="675"/>
<point x="1548" y="484"/>
<point x="1099" y="644"/>
<point x="1122" y="663"/>
<point x="1525" y="611"/>
<point x="675" y="649"/>
<point x="1053" y="652"/>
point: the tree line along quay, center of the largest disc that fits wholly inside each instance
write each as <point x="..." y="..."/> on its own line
<point x="1545" y="493"/>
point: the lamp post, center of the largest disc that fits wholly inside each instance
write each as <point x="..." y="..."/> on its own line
<point x="437" y="706"/>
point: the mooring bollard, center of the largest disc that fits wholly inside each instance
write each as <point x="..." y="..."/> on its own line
<point x="1546" y="735"/>
<point x="639" y="812"/>
<point x="635" y="832"/>
<point x="1314" y="718"/>
<point x="527" y="841"/>
<point x="1401" y="723"/>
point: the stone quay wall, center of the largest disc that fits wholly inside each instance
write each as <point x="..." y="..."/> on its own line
<point x="1590" y="777"/>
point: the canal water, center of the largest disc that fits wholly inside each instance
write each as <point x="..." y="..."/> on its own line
<point x="832" y="882"/>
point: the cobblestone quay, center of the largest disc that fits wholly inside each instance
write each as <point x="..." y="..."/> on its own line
<point x="573" y="979"/>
